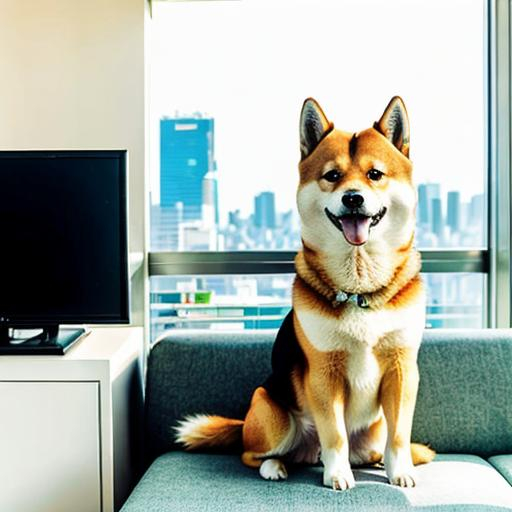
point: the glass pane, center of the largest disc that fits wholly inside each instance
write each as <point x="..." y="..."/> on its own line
<point x="227" y="85"/>
<point x="262" y="301"/>
<point x="455" y="300"/>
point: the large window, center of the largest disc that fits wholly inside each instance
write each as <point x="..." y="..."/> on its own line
<point x="227" y="83"/>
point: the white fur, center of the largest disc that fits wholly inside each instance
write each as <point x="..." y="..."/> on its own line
<point x="399" y="466"/>
<point x="364" y="376"/>
<point x="337" y="472"/>
<point x="398" y="223"/>
<point x="393" y="231"/>
<point x="289" y="441"/>
<point x="273" y="469"/>
<point x="359" y="328"/>
<point x="190" y="427"/>
<point x="329" y="165"/>
<point x="379" y="166"/>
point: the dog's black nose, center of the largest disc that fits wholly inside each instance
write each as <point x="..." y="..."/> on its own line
<point x="352" y="200"/>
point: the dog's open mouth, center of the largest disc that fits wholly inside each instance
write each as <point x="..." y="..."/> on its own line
<point x="356" y="226"/>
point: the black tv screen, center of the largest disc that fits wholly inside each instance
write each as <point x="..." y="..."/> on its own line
<point x="63" y="229"/>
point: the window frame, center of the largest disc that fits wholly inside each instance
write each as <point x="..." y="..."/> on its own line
<point x="498" y="162"/>
<point x="494" y="261"/>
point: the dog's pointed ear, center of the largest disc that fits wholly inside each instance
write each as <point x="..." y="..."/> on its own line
<point x="394" y="125"/>
<point x="314" y="126"/>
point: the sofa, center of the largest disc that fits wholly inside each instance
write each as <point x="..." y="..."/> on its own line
<point x="464" y="411"/>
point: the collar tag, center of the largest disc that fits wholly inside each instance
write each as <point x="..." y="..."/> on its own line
<point x="357" y="300"/>
<point x="341" y="296"/>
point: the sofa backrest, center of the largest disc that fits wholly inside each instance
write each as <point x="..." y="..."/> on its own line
<point x="464" y="401"/>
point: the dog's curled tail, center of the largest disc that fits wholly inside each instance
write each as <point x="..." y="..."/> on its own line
<point x="204" y="431"/>
<point x="421" y="454"/>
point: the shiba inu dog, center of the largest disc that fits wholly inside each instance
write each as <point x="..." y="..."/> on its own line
<point x="344" y="373"/>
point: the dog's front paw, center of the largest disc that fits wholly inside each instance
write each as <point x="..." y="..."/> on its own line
<point x="340" y="480"/>
<point x="399" y="469"/>
<point x="403" y="480"/>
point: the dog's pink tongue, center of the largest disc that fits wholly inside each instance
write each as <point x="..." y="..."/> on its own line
<point x="356" y="229"/>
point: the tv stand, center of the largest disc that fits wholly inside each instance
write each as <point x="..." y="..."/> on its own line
<point x="52" y="341"/>
<point x="71" y="426"/>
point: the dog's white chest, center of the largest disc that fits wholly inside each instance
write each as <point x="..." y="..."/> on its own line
<point x="362" y="369"/>
<point x="357" y="326"/>
<point x="363" y="375"/>
<point x="356" y="332"/>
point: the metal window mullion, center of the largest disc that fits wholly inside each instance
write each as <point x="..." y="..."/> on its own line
<point x="499" y="193"/>
<point x="224" y="263"/>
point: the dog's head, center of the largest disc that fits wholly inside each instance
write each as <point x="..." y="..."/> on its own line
<point x="355" y="189"/>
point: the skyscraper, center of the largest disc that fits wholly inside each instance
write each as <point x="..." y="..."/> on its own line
<point x="423" y="204"/>
<point x="186" y="156"/>
<point x="188" y="208"/>
<point x="426" y="193"/>
<point x="265" y="210"/>
<point x="453" y="211"/>
<point x="437" y="218"/>
<point x="477" y="209"/>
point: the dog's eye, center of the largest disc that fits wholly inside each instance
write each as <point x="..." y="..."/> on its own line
<point x="374" y="174"/>
<point x="332" y="176"/>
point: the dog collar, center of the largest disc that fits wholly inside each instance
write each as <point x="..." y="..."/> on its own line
<point x="336" y="297"/>
<point x="356" y="299"/>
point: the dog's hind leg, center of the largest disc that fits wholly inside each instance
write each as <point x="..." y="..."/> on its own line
<point x="268" y="434"/>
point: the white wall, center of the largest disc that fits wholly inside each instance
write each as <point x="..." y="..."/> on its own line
<point x="72" y="77"/>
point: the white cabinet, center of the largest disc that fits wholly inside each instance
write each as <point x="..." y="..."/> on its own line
<point x="50" y="446"/>
<point x="68" y="425"/>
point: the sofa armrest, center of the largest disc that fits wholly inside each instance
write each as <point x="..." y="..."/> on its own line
<point x="503" y="463"/>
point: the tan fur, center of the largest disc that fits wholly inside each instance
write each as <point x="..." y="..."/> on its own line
<point x="214" y="431"/>
<point x="421" y="454"/>
<point x="334" y="148"/>
<point x="265" y="427"/>
<point x="398" y="390"/>
<point x="407" y="294"/>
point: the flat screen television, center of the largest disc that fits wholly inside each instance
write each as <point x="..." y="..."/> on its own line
<point x="64" y="250"/>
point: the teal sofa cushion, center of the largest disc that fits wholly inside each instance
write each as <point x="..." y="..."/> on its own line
<point x="208" y="372"/>
<point x="503" y="463"/>
<point x="464" y="402"/>
<point x="179" y="481"/>
<point x="463" y="406"/>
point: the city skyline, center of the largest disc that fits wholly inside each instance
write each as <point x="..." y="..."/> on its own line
<point x="210" y="57"/>
<point x="187" y="217"/>
<point x="255" y="92"/>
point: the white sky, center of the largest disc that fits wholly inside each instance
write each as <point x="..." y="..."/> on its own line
<point x="251" y="63"/>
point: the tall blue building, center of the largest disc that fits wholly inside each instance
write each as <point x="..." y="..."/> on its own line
<point x="437" y="218"/>
<point x="426" y="193"/>
<point x="265" y="210"/>
<point x="453" y="211"/>
<point x="186" y="156"/>
<point x="422" y="215"/>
